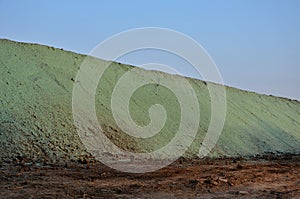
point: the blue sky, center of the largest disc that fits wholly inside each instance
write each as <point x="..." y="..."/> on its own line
<point x="255" y="44"/>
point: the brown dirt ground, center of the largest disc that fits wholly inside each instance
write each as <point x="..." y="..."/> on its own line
<point x="265" y="177"/>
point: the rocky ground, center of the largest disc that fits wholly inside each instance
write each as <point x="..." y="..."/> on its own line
<point x="265" y="177"/>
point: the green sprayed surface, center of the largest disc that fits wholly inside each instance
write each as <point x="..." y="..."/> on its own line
<point x="36" y="110"/>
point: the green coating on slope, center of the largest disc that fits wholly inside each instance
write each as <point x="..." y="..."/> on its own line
<point x="36" y="110"/>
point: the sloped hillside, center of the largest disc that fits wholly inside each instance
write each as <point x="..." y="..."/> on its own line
<point x="36" y="119"/>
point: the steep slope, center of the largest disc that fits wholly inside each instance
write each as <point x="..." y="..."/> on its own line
<point x="36" y="110"/>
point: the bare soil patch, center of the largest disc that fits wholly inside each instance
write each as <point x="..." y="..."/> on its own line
<point x="265" y="177"/>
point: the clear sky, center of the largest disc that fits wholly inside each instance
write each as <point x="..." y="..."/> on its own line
<point x="255" y="43"/>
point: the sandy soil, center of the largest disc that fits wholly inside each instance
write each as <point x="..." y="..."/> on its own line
<point x="265" y="177"/>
